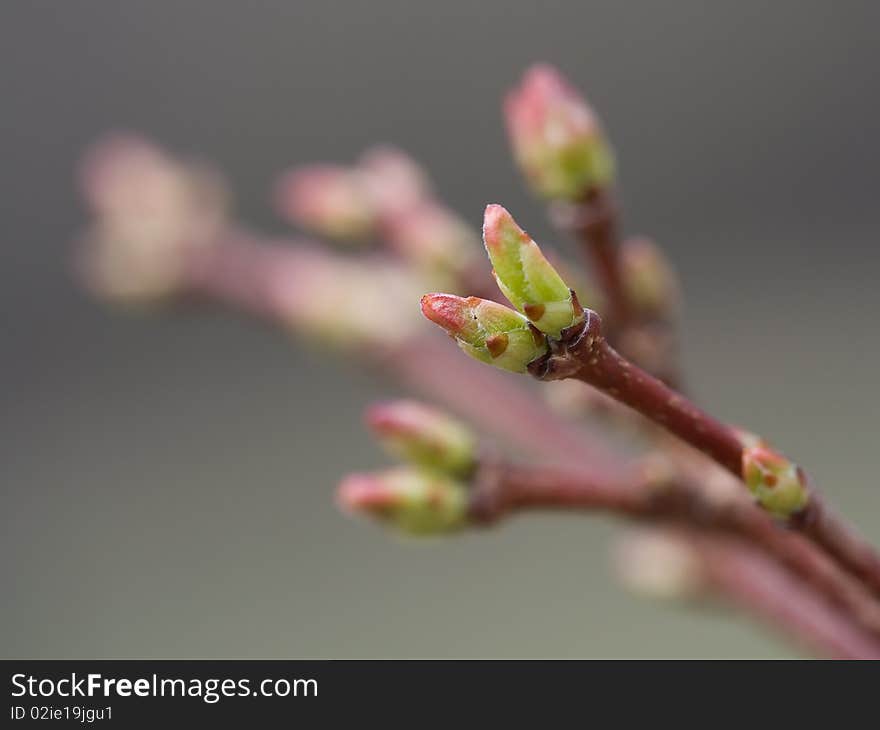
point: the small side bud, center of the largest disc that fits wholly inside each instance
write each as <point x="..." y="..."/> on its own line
<point x="330" y="200"/>
<point x="414" y="501"/>
<point x="424" y="436"/>
<point x="776" y="482"/>
<point x="659" y="565"/>
<point x="651" y="285"/>
<point x="525" y="276"/>
<point x="486" y="330"/>
<point x="556" y="138"/>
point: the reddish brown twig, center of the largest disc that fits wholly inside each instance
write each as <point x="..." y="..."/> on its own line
<point x="585" y="355"/>
<point x="652" y="490"/>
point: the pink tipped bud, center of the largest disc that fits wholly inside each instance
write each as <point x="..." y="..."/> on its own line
<point x="525" y="276"/>
<point x="486" y="330"/>
<point x="331" y="200"/>
<point x="776" y="482"/>
<point x="423" y="435"/>
<point x="556" y="138"/>
<point x="414" y="501"/>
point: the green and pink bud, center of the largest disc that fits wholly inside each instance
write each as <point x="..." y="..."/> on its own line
<point x="486" y="330"/>
<point x="776" y="482"/>
<point x="414" y="501"/>
<point x="556" y="138"/>
<point x="330" y="200"/>
<point x="423" y="436"/>
<point x="525" y="276"/>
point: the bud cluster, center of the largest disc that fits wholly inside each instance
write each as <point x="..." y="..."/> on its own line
<point x="385" y="195"/>
<point x="427" y="495"/>
<point x="493" y="333"/>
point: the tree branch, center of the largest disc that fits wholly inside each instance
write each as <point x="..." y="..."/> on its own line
<point x="584" y="354"/>
<point x="654" y="489"/>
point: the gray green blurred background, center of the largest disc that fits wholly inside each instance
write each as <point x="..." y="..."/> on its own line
<point x="167" y="481"/>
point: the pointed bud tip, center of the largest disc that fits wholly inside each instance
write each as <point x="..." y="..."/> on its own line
<point x="446" y="310"/>
<point x="364" y="493"/>
<point x="498" y="225"/>
<point x="415" y="501"/>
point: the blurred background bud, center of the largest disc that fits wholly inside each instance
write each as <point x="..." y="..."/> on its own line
<point x="349" y="302"/>
<point x="423" y="435"/>
<point x="525" y="276"/>
<point x="658" y="564"/>
<point x="650" y="282"/>
<point x="394" y="180"/>
<point x="330" y="200"/>
<point x="557" y="140"/>
<point x="435" y="240"/>
<point x="575" y="399"/>
<point x="486" y="330"/>
<point x="775" y="481"/>
<point x="149" y="210"/>
<point x="415" y="501"/>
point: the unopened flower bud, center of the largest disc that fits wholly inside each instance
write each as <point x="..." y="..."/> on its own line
<point x="330" y="200"/>
<point x="660" y="565"/>
<point x="776" y="482"/>
<point x="415" y="501"/>
<point x="424" y="436"/>
<point x="486" y="330"/>
<point x="525" y="276"/>
<point x="650" y="283"/>
<point x="557" y="139"/>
